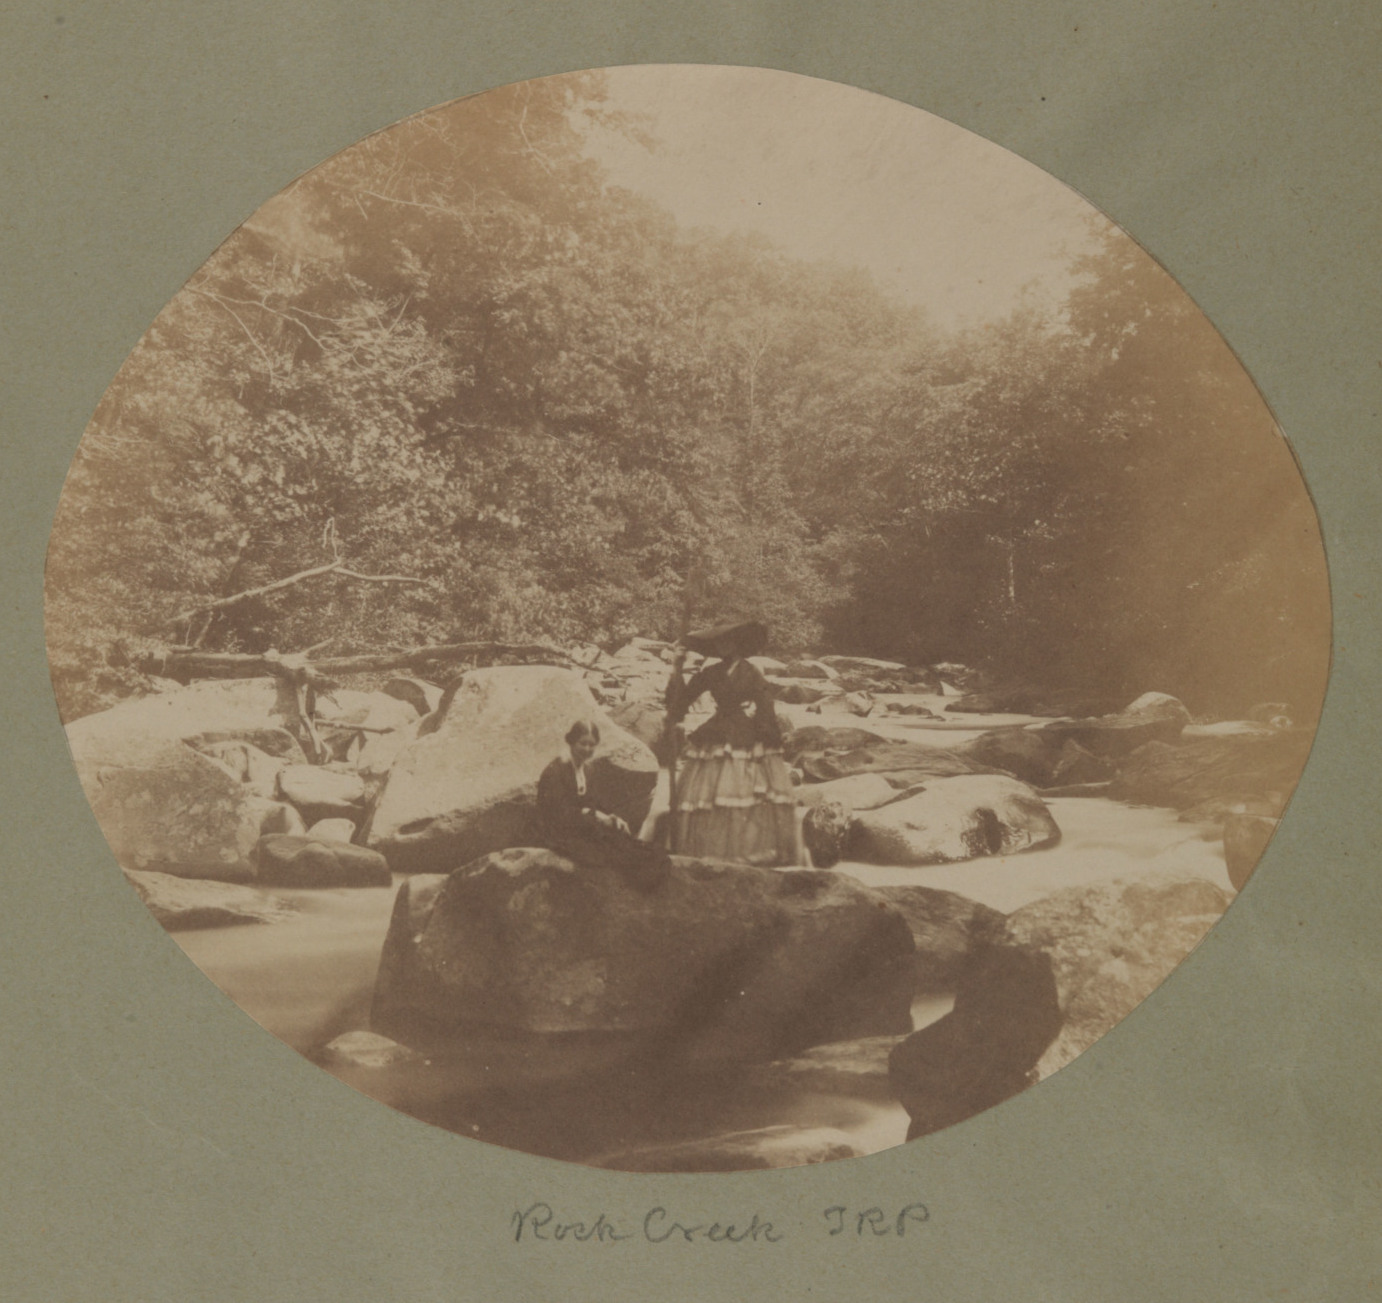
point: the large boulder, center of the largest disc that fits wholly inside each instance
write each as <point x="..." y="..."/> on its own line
<point x="373" y="712"/>
<point x="1153" y="717"/>
<point x="180" y="781"/>
<point x="1223" y="769"/>
<point x="346" y="720"/>
<point x="377" y="756"/>
<point x="1038" y="757"/>
<point x="1076" y="766"/>
<point x="287" y="861"/>
<point x="762" y="1149"/>
<point x="645" y="720"/>
<point x="806" y="670"/>
<point x="1112" y="943"/>
<point x="259" y="711"/>
<point x="947" y="928"/>
<point x="332" y="830"/>
<point x="283" y="817"/>
<point x="905" y="763"/>
<point x="723" y="963"/>
<point x="955" y="819"/>
<point x="180" y="905"/>
<point x="251" y="765"/>
<point x="816" y="737"/>
<point x="1027" y="754"/>
<point x="858" y="792"/>
<point x="422" y="696"/>
<point x="320" y="792"/>
<point x="986" y="1049"/>
<point x="467" y="786"/>
<point x="863" y="665"/>
<point x="179" y="812"/>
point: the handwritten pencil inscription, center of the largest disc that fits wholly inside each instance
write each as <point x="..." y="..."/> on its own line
<point x="540" y="1222"/>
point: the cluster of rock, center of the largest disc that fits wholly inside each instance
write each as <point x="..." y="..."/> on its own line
<point x="883" y="801"/>
<point x="1239" y="773"/>
<point x="520" y="966"/>
<point x="512" y="961"/>
<point x="209" y="782"/>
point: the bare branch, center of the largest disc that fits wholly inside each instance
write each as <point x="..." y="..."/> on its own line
<point x="249" y="334"/>
<point x="333" y="567"/>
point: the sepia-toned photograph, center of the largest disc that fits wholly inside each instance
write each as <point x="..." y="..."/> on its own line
<point x="685" y="619"/>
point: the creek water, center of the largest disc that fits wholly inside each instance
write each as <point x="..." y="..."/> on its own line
<point x="310" y="978"/>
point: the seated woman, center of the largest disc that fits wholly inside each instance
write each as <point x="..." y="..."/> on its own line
<point x="575" y="824"/>
<point x="733" y="794"/>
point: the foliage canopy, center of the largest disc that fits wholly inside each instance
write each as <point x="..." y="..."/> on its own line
<point x="456" y="353"/>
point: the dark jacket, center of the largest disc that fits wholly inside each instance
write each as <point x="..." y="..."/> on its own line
<point x="734" y="686"/>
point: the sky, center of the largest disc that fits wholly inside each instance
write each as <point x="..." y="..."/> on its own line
<point x="942" y="217"/>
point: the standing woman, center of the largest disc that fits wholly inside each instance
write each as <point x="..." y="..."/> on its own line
<point x="734" y="797"/>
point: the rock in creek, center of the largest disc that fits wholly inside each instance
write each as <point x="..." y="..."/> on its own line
<point x="722" y="963"/>
<point x="906" y="763"/>
<point x="166" y="805"/>
<point x="283" y="818"/>
<point x="1038" y="757"/>
<point x="858" y="792"/>
<point x="827" y="830"/>
<point x="181" y="905"/>
<point x="805" y="670"/>
<point x="985" y="1050"/>
<point x="252" y="766"/>
<point x="1225" y="769"/>
<point x="1245" y="840"/>
<point x="422" y="696"/>
<point x="287" y="861"/>
<point x="863" y="672"/>
<point x="181" y="813"/>
<point x="332" y="830"/>
<point x="258" y="711"/>
<point x="738" y="1151"/>
<point x="1112" y="944"/>
<point x="947" y="927"/>
<point x="955" y="819"/>
<point x="816" y="737"/>
<point x="375" y="712"/>
<point x="323" y="793"/>
<point x="466" y="786"/>
<point x="643" y="719"/>
<point x="377" y="756"/>
<point x="1153" y="717"/>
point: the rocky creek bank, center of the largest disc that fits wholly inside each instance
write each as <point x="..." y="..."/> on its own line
<point x="506" y="969"/>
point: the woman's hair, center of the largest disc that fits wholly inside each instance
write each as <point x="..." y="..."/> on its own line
<point x="583" y="728"/>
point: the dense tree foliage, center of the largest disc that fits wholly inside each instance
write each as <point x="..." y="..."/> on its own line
<point x="455" y="354"/>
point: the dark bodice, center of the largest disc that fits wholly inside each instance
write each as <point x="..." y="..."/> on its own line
<point x="733" y="686"/>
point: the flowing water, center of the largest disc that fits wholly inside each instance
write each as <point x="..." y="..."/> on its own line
<point x="310" y="978"/>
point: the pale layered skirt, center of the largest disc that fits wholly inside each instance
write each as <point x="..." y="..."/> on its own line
<point x="735" y="803"/>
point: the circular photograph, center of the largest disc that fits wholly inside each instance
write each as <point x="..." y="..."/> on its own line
<point x="685" y="619"/>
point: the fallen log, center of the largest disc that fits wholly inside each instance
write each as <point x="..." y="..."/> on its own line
<point x="188" y="663"/>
